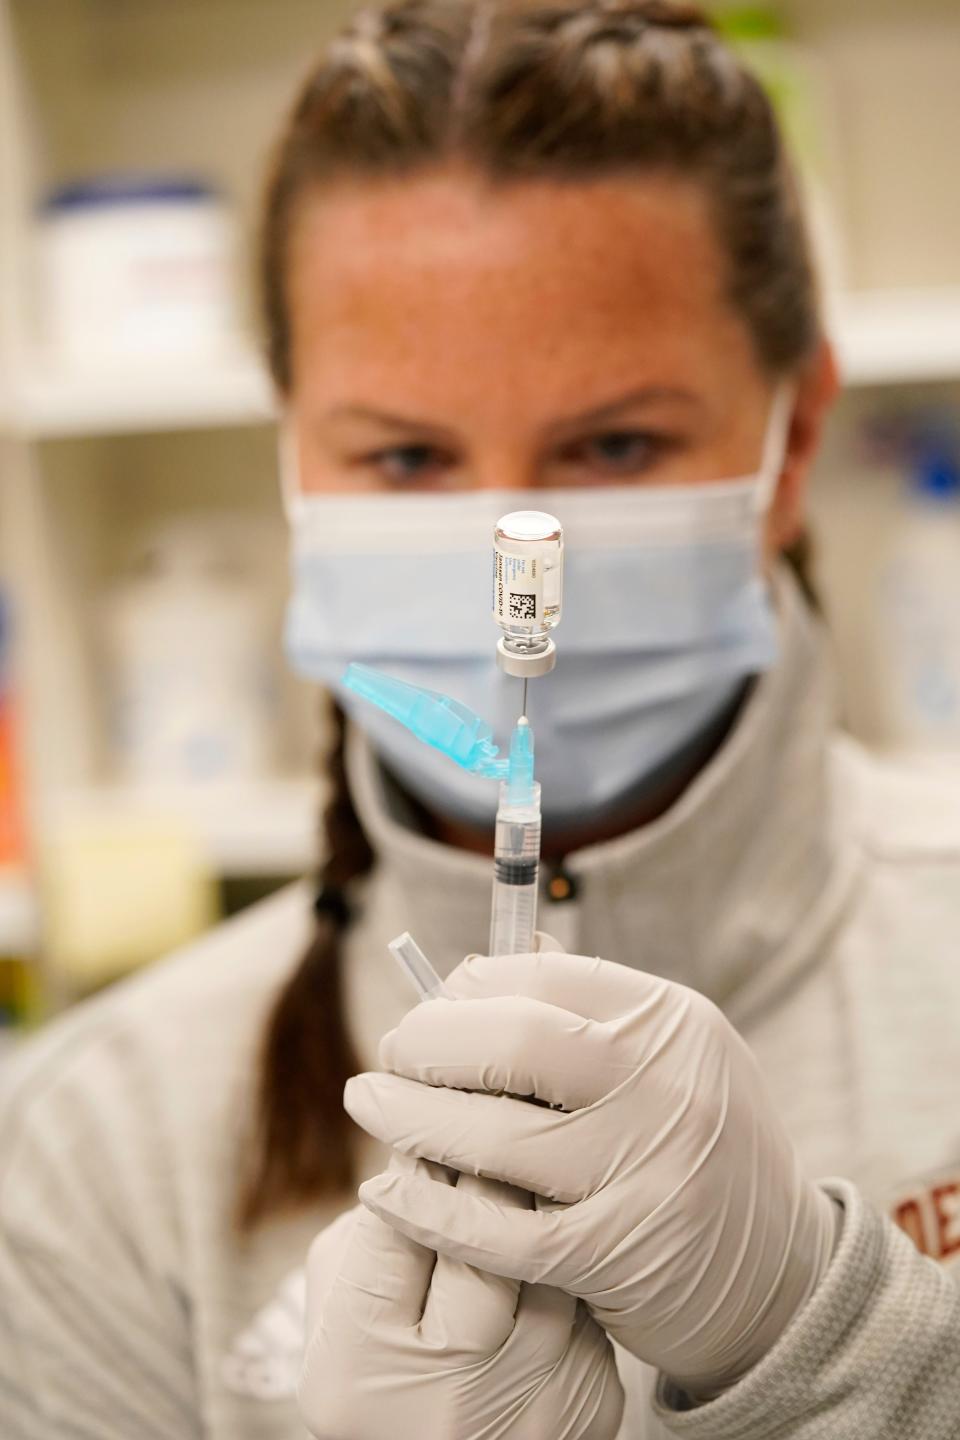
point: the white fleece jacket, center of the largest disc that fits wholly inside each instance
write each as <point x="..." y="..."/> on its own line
<point x="813" y="893"/>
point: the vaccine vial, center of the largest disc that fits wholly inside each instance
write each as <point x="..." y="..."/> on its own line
<point x="527" y="590"/>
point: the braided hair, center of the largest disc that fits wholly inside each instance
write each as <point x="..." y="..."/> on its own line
<point x="301" y="1144"/>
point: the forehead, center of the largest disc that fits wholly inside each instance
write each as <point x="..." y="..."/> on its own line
<point x="447" y="270"/>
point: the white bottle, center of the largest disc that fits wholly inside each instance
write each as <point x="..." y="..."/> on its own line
<point x="921" y="612"/>
<point x="188" y="646"/>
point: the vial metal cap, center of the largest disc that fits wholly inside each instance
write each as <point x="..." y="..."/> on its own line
<point x="528" y="665"/>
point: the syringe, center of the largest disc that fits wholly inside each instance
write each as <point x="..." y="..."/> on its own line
<point x="417" y="968"/>
<point x="515" y="871"/>
<point x="516" y="853"/>
<point x="527" y="598"/>
<point x="429" y="986"/>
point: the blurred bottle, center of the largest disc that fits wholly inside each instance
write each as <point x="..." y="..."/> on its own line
<point x="136" y="269"/>
<point x="20" y="999"/>
<point x="796" y="83"/>
<point x="189" y="659"/>
<point x="920" y="606"/>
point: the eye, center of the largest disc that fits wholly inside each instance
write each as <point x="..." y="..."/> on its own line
<point x="403" y="464"/>
<point x="620" y="452"/>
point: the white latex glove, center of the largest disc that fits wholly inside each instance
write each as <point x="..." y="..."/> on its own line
<point x="683" y="1217"/>
<point x="402" y="1342"/>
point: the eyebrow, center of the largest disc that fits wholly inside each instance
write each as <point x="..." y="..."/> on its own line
<point x="643" y="396"/>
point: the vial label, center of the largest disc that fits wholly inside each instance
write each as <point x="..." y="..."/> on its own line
<point x="517" y="588"/>
<point x="552" y="588"/>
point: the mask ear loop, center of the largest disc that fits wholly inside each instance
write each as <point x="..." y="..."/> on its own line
<point x="775" y="444"/>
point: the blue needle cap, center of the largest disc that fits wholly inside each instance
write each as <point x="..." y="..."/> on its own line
<point x="434" y="718"/>
<point x="520" y="768"/>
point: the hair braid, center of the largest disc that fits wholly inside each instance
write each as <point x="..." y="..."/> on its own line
<point x="302" y="1136"/>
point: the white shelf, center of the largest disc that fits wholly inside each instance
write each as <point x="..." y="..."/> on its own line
<point x="266" y="828"/>
<point x="898" y="336"/>
<point x="19" y="924"/>
<point x="48" y="403"/>
<point x="883" y="338"/>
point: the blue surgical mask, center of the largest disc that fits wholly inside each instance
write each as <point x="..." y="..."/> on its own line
<point x="665" y="616"/>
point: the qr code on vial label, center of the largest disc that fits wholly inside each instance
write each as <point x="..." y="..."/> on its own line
<point x="523" y="607"/>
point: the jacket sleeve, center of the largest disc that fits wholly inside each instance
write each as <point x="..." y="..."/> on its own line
<point x="85" y="1354"/>
<point x="874" y="1355"/>
<point x="95" y="1333"/>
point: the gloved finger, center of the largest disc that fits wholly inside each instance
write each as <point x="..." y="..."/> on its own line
<point x="509" y="1045"/>
<point x="544" y="944"/>
<point x="543" y="1326"/>
<point x="585" y="985"/>
<point x="324" y="1259"/>
<point x="469" y="1313"/>
<point x="511" y="1140"/>
<point x="593" y="1394"/>
<point x="383" y="1276"/>
<point x="542" y="1332"/>
<point x="531" y="1245"/>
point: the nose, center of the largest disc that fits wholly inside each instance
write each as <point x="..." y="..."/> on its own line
<point x="504" y="472"/>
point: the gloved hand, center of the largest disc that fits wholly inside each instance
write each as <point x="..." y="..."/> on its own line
<point x="670" y="1197"/>
<point x="403" y="1342"/>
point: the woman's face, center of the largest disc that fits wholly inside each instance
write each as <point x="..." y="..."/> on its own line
<point x="452" y="335"/>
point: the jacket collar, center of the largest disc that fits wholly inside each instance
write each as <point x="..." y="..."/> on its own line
<point x="730" y="892"/>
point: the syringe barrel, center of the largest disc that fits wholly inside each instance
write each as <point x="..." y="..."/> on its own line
<point x="516" y="866"/>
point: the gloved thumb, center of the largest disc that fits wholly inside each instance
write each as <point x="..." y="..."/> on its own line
<point x="323" y="1261"/>
<point x="361" y="1270"/>
<point x="544" y="944"/>
<point x="459" y="987"/>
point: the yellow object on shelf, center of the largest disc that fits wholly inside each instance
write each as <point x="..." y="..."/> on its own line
<point x="122" y="890"/>
<point x="20" y="995"/>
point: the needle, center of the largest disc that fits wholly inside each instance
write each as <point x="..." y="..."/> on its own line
<point x="524" y="709"/>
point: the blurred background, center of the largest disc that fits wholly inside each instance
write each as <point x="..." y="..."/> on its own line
<point x="156" y="762"/>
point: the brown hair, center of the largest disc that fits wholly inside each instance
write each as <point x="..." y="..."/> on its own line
<point x="301" y="1145"/>
<point x="513" y="88"/>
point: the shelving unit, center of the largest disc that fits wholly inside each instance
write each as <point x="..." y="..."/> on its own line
<point x="882" y="338"/>
<point x="89" y="85"/>
<point x="48" y="405"/>
<point x="256" y="829"/>
<point x="85" y="460"/>
<point x="898" y="337"/>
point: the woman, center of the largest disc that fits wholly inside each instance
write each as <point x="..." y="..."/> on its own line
<point x="513" y="248"/>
